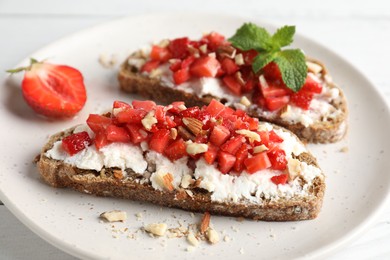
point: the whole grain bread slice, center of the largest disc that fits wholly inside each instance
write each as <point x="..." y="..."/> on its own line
<point x="151" y="87"/>
<point x="107" y="183"/>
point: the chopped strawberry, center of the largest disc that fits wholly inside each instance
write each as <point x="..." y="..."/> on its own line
<point x="98" y="123"/>
<point x="159" y="140"/>
<point x="101" y="140"/>
<point x="302" y="99"/>
<point x="271" y="71"/>
<point x="219" y="135"/>
<point x="264" y="137"/>
<point x="211" y="154"/>
<point x="180" y="76"/>
<point x="274" y="137"/>
<point x="175" y="66"/>
<point x="179" y="47"/>
<point x="185" y="64"/>
<point x="249" y="56"/>
<point x="280" y="179"/>
<point x="176" y="107"/>
<point x="258" y="162"/>
<point x="214" y="40"/>
<point x="191" y="112"/>
<point x="276" y="103"/>
<point x="160" y="54"/>
<point x="229" y="66"/>
<point x="176" y="150"/>
<point x="120" y="104"/>
<point x="232" y="145"/>
<point x="241" y="156"/>
<point x="137" y="134"/>
<point x="312" y="85"/>
<point x="131" y="115"/>
<point x="206" y="66"/>
<point x="278" y="159"/>
<point x="117" y="134"/>
<point x="150" y="65"/>
<point x="51" y="90"/>
<point x="215" y="107"/>
<point x="225" y="162"/>
<point x="159" y="113"/>
<point x="232" y="84"/>
<point x="146" y="105"/>
<point x="225" y="113"/>
<point x="74" y="143"/>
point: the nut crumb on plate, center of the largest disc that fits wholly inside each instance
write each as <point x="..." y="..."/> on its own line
<point x="114" y="216"/>
<point x="157" y="229"/>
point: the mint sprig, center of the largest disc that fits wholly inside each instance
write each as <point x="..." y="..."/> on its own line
<point x="291" y="62"/>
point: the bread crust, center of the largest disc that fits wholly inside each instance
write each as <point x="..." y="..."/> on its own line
<point x="132" y="81"/>
<point x="60" y="175"/>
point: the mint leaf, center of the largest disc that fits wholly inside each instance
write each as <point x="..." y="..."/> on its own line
<point x="249" y="36"/>
<point x="283" y="36"/>
<point x="261" y="60"/>
<point x="292" y="65"/>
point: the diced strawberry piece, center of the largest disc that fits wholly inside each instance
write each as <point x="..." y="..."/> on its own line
<point x="278" y="159"/>
<point x="98" y="123"/>
<point x="175" y="66"/>
<point x="228" y="111"/>
<point x="253" y="123"/>
<point x="312" y="85"/>
<point x="150" y="65"/>
<point x="120" y="104"/>
<point x="215" y="107"/>
<point x="179" y="47"/>
<point x="159" y="140"/>
<point x="159" y="113"/>
<point x="274" y="137"/>
<point x="117" y="134"/>
<point x="146" y="105"/>
<point x="137" y="134"/>
<point x="131" y="115"/>
<point x="275" y="103"/>
<point x="191" y="112"/>
<point x="201" y="139"/>
<point x="225" y="162"/>
<point x="206" y="66"/>
<point x="257" y="163"/>
<point x="241" y="156"/>
<point x="280" y="179"/>
<point x="272" y="91"/>
<point x="232" y="84"/>
<point x="176" y="150"/>
<point x="258" y="99"/>
<point x="160" y="54"/>
<point x="249" y="86"/>
<point x="232" y="145"/>
<point x="264" y="136"/>
<point x="229" y="66"/>
<point x="176" y="107"/>
<point x="211" y="154"/>
<point x="219" y="135"/>
<point x="302" y="99"/>
<point x="169" y="122"/>
<point x="240" y="113"/>
<point x="101" y="140"/>
<point x="74" y="143"/>
<point x="185" y="64"/>
<point x="180" y="76"/>
<point x="249" y="56"/>
<point x="271" y="72"/>
<point x="214" y="40"/>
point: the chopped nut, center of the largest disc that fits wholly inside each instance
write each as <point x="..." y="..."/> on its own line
<point x="252" y="136"/>
<point x="227" y="51"/>
<point x="197" y="182"/>
<point x="186" y="181"/>
<point x="238" y="77"/>
<point x="239" y="59"/>
<point x="149" y="120"/>
<point x="193" y="50"/>
<point x="157" y="229"/>
<point x="116" y="111"/>
<point x="212" y="236"/>
<point x="242" y="251"/>
<point x="185" y="134"/>
<point x="168" y="178"/>
<point x="285" y="111"/>
<point x="136" y="62"/>
<point x="173" y="133"/>
<point x="226" y="238"/>
<point x="260" y="148"/>
<point x="155" y="73"/>
<point x="181" y="194"/>
<point x="190" y="193"/>
<point x="204" y="225"/>
<point x="345" y="149"/>
<point x="263" y="82"/>
<point x="193" y="124"/>
<point x="212" y="55"/>
<point x="195" y="148"/>
<point x="190" y="248"/>
<point x="163" y="43"/>
<point x="313" y="67"/>
<point x="164" y="180"/>
<point x="139" y="215"/>
<point x="107" y="62"/>
<point x="118" y="174"/>
<point x="114" y="215"/>
<point x="182" y="107"/>
<point x="203" y="48"/>
<point x="192" y="239"/>
<point x="245" y="101"/>
<point x="294" y="168"/>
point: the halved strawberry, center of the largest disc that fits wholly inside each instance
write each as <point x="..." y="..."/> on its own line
<point x="74" y="143"/>
<point x="51" y="90"/>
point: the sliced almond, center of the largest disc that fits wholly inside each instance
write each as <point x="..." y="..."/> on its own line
<point x="164" y="43"/>
<point x="260" y="148"/>
<point x="157" y="229"/>
<point x="212" y="236"/>
<point x="190" y="193"/>
<point x="197" y="182"/>
<point x="313" y="67"/>
<point x="252" y="136"/>
<point x="149" y="120"/>
<point x="239" y="59"/>
<point x="195" y="148"/>
<point x="192" y="239"/>
<point x="167" y="179"/>
<point x="193" y="124"/>
<point x="173" y="133"/>
<point x="239" y="78"/>
<point x="186" y="181"/>
<point x="245" y="101"/>
<point x="114" y="215"/>
<point x="227" y="51"/>
<point x="204" y="225"/>
<point x="185" y="134"/>
<point x="263" y="82"/>
<point x="156" y="73"/>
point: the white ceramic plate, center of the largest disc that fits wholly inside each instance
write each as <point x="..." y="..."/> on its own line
<point x="357" y="183"/>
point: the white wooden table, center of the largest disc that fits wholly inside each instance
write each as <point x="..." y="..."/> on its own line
<point x="357" y="30"/>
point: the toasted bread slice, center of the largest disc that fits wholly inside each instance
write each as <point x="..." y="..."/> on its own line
<point x="126" y="184"/>
<point x="325" y="129"/>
